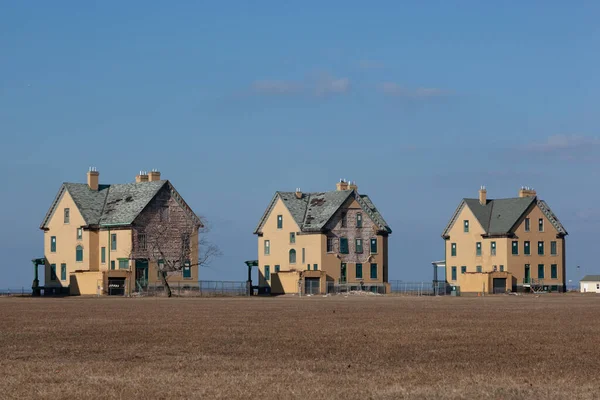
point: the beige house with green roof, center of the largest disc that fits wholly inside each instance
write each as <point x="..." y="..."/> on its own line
<point x="118" y="238"/>
<point x="315" y="242"/>
<point x="498" y="245"/>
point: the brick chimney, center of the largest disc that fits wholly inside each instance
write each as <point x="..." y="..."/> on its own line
<point x="92" y="178"/>
<point x="154" y="175"/>
<point x="482" y="196"/>
<point x="527" y="191"/>
<point x="141" y="177"/>
<point x="298" y="193"/>
<point x="342" y="185"/>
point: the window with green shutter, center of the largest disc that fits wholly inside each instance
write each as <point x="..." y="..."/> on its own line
<point x="267" y="273"/>
<point x="374" y="246"/>
<point x="316" y="267"/>
<point x="478" y="248"/>
<point x="515" y="247"/>
<point x="373" y="271"/>
<point x="493" y="248"/>
<point x="280" y="222"/>
<point x="277" y="268"/>
<point x="79" y="233"/>
<point x="113" y="241"/>
<point x="478" y="268"/>
<point x="63" y="272"/>
<point x="53" y="244"/>
<point x="453" y="250"/>
<point x="292" y="237"/>
<point x="359" y="220"/>
<point x="553" y="271"/>
<point x="267" y="247"/>
<point x="540" y="271"/>
<point x="466" y="225"/>
<point x="502" y="268"/>
<point x="292" y="256"/>
<point x="463" y="269"/>
<point x="453" y="273"/>
<point x="308" y="267"/>
<point x="112" y="264"/>
<point x="359" y="246"/>
<point x="553" y="248"/>
<point x="123" y="263"/>
<point x="344" y="245"/>
<point x="541" y="225"/>
<point x="53" y="272"/>
<point x="541" y="248"/>
<point x="359" y="271"/>
<point x="79" y="254"/>
<point x="103" y="255"/>
<point x="526" y="248"/>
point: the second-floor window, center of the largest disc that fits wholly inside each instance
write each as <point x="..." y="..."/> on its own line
<point x="478" y="248"/>
<point x="113" y="241"/>
<point x="79" y="233"/>
<point x="67" y="216"/>
<point x="541" y="248"/>
<point x="303" y="255"/>
<point x="123" y="264"/>
<point x="359" y="246"/>
<point x="493" y="248"/>
<point x="280" y="222"/>
<point x="292" y="237"/>
<point x="541" y="225"/>
<point x="330" y="245"/>
<point x="466" y="225"/>
<point x="53" y="244"/>
<point x="374" y="246"/>
<point x="79" y="254"/>
<point x="478" y="268"/>
<point x="292" y="256"/>
<point x="553" y="248"/>
<point x="267" y="247"/>
<point x="103" y="255"/>
<point x="463" y="269"/>
<point x="344" y="245"/>
<point x="359" y="220"/>
<point x="527" y="225"/>
<point x="142" y="241"/>
<point x="526" y="248"/>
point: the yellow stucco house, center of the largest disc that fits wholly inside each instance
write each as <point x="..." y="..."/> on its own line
<point x="316" y="242"/>
<point x="499" y="245"/>
<point x="118" y="238"/>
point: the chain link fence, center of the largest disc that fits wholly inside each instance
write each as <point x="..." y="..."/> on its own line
<point x="195" y="289"/>
<point x="425" y="288"/>
<point x="22" y="291"/>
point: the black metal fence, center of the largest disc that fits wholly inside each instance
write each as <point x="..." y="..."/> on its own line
<point x="195" y="289"/>
<point x="22" y="291"/>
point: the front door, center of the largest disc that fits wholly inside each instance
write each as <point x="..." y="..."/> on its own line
<point x="141" y="275"/>
<point x="527" y="274"/>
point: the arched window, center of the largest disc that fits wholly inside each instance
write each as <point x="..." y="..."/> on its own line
<point x="79" y="254"/>
<point x="292" y="256"/>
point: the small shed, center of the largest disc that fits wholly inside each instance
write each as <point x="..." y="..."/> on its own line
<point x="590" y="284"/>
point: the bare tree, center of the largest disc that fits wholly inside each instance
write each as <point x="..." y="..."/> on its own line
<point x="176" y="245"/>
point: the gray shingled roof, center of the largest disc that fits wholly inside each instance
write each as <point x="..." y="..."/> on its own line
<point x="313" y="210"/>
<point x="111" y="204"/>
<point x="499" y="216"/>
<point x="591" y="278"/>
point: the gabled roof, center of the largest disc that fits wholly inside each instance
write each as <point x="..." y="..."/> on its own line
<point x="117" y="204"/>
<point x="591" y="278"/>
<point x="313" y="210"/>
<point x="500" y="216"/>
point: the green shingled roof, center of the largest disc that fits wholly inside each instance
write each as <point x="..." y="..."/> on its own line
<point x="500" y="216"/>
<point x="117" y="204"/>
<point x="313" y="210"/>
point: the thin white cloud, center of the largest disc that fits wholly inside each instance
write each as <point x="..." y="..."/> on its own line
<point x="562" y="143"/>
<point x="330" y="85"/>
<point x="394" y="89"/>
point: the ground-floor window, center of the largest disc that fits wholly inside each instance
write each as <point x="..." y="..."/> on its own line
<point x="358" y="271"/>
<point x="553" y="271"/>
<point x="63" y="272"/>
<point x="187" y="272"/>
<point x="373" y="271"/>
<point x="267" y="272"/>
<point x="453" y="273"/>
<point x="52" y="272"/>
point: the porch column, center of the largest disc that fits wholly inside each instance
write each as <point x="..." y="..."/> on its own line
<point x="35" y="291"/>
<point x="435" y="279"/>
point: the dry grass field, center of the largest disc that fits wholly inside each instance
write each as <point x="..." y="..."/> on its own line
<point x="321" y="348"/>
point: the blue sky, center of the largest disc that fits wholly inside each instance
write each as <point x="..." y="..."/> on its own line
<point x="419" y="102"/>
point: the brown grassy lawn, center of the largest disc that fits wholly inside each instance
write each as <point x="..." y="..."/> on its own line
<point x="278" y="348"/>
